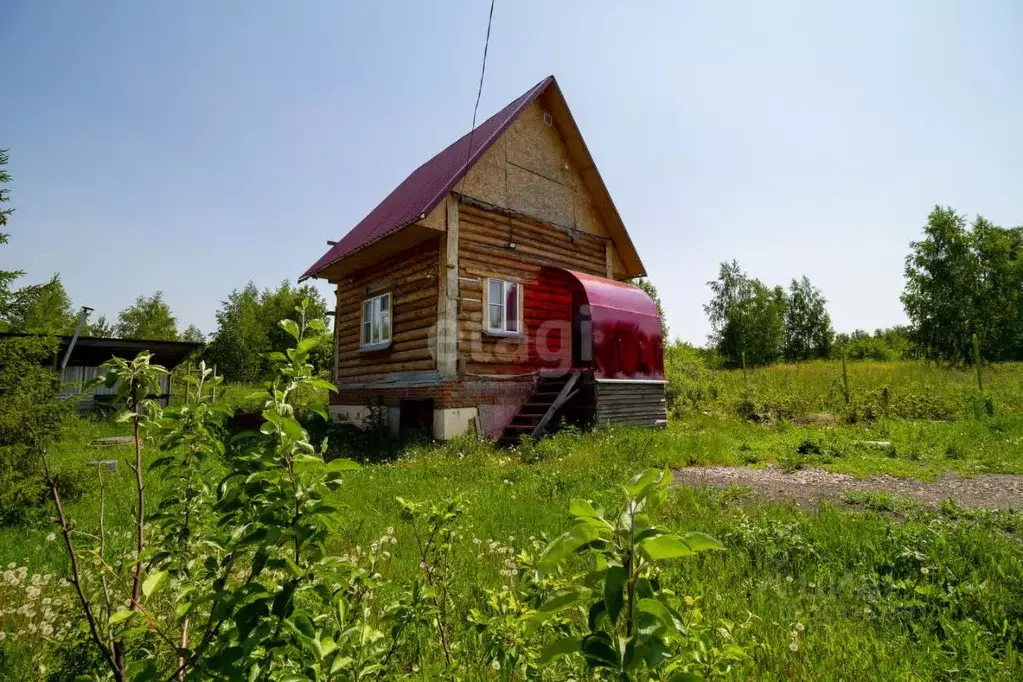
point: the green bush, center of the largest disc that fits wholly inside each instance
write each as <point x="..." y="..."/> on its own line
<point x="30" y="417"/>
<point x="691" y="381"/>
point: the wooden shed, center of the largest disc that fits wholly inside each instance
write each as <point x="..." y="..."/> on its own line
<point x="489" y="290"/>
<point x="89" y="352"/>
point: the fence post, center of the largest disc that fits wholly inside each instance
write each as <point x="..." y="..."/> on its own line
<point x="845" y="377"/>
<point x="976" y="362"/>
<point x="745" y="379"/>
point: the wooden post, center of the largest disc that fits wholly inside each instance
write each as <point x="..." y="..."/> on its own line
<point x="976" y="363"/>
<point x="845" y="378"/>
<point x="447" y="294"/>
<point x="745" y="379"/>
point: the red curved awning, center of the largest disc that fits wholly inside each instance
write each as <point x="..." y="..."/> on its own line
<point x="624" y="329"/>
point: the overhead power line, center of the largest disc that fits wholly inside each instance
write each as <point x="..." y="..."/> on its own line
<point x="483" y="72"/>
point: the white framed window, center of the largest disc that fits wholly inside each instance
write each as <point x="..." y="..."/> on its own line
<point x="376" y="321"/>
<point x="504" y="307"/>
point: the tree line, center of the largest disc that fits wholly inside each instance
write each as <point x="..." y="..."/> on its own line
<point x="753" y="323"/>
<point x="962" y="280"/>
<point x="247" y="322"/>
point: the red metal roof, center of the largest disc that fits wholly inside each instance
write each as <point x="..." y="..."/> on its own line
<point x="427" y="186"/>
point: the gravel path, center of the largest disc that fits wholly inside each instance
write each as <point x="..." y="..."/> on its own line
<point x="811" y="486"/>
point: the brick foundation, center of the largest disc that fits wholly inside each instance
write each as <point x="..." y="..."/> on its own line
<point x="496" y="400"/>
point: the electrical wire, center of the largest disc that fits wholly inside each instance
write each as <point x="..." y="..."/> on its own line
<point x="479" y="91"/>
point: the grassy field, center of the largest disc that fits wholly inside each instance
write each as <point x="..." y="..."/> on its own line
<point x="874" y="591"/>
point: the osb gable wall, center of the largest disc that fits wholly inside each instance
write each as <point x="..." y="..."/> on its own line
<point x="482" y="252"/>
<point x="411" y="278"/>
<point x="528" y="170"/>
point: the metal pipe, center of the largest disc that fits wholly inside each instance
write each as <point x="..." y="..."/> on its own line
<point x="74" y="338"/>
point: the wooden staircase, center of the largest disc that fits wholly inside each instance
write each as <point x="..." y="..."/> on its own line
<point x="551" y="394"/>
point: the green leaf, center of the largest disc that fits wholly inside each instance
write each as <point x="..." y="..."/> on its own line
<point x="685" y="677"/>
<point x="658" y="610"/>
<point x="701" y="542"/>
<point x="582" y="508"/>
<point x="291" y="427"/>
<point x="598" y="651"/>
<point x="338" y="465"/>
<point x="562" y="647"/>
<point x="561" y="600"/>
<point x="303" y="623"/>
<point x="565" y="598"/>
<point x="121" y="616"/>
<point x="565" y="545"/>
<point x="322" y="383"/>
<point x="153" y="582"/>
<point x="643" y="480"/>
<point x="308" y="343"/>
<point x="291" y="327"/>
<point x="665" y="546"/>
<point x="614" y="591"/>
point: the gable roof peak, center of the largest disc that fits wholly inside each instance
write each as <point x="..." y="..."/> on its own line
<point x="426" y="186"/>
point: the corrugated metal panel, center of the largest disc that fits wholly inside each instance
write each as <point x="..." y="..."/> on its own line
<point x="426" y="187"/>
<point x="74" y="377"/>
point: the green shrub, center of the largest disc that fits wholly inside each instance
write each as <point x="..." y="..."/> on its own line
<point x="691" y="383"/>
<point x="30" y="417"/>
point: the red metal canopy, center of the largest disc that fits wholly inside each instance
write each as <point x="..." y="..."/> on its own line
<point x="624" y="328"/>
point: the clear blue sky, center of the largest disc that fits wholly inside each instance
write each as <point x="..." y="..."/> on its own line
<point x="232" y="139"/>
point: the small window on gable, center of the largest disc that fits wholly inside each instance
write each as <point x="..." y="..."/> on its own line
<point x="504" y="306"/>
<point x="376" y="321"/>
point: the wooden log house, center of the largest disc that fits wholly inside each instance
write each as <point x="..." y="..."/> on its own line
<point x="488" y="291"/>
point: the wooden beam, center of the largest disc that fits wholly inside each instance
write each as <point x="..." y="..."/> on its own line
<point x="564" y="396"/>
<point x="447" y="294"/>
<point x="609" y="258"/>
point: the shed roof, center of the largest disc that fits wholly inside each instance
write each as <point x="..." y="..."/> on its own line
<point x="426" y="187"/>
<point x="92" y="351"/>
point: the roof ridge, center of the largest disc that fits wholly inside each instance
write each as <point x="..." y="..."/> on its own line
<point x="424" y="188"/>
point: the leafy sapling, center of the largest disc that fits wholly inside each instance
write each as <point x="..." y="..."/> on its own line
<point x="634" y="628"/>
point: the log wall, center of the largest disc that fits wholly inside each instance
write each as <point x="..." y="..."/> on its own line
<point x="483" y="251"/>
<point x="411" y="278"/>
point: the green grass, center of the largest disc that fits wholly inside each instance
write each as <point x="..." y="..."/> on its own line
<point x="918" y="595"/>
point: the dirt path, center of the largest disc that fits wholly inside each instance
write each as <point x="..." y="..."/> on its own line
<point x="811" y="486"/>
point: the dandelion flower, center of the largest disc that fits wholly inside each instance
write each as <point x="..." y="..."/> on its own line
<point x="51" y="537"/>
<point x="496" y="665"/>
<point x="800" y="627"/>
<point x="924" y="570"/>
<point x="793" y="647"/>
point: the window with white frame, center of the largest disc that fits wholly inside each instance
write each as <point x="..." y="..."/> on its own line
<point x="504" y="306"/>
<point x="376" y="321"/>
